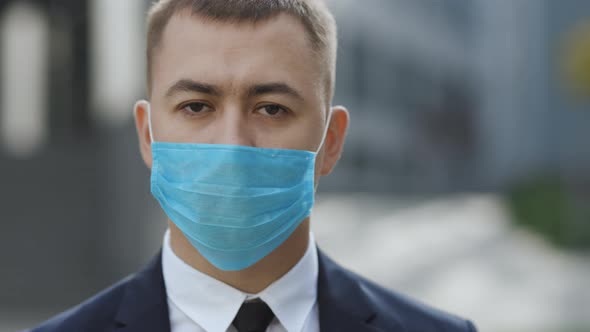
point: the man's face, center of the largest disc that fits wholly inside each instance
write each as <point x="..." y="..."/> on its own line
<point x="242" y="84"/>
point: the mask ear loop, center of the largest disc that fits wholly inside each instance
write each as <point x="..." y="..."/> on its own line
<point x="325" y="130"/>
<point x="148" y="108"/>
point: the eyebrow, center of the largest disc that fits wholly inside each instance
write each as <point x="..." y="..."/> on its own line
<point x="188" y="85"/>
<point x="274" y="88"/>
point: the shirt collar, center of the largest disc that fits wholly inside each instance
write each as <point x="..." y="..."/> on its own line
<point x="292" y="297"/>
<point x="213" y="304"/>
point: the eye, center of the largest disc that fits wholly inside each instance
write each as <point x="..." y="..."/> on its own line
<point x="272" y="110"/>
<point x="196" y="108"/>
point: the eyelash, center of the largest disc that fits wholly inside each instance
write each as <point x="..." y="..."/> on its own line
<point x="283" y="111"/>
<point x="187" y="112"/>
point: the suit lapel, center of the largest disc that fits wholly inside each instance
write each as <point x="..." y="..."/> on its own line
<point x="144" y="306"/>
<point x="343" y="305"/>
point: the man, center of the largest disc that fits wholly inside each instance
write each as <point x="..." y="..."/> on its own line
<point x="237" y="132"/>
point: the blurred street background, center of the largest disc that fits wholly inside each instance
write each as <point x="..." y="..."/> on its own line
<point x="465" y="180"/>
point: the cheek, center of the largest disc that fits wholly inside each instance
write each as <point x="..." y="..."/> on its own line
<point x="311" y="134"/>
<point x="301" y="134"/>
<point x="159" y="124"/>
<point x="319" y="162"/>
<point x="173" y="126"/>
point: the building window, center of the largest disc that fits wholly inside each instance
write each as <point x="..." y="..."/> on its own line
<point x="23" y="81"/>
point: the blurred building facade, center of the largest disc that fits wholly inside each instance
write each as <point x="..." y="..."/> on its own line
<point x="457" y="95"/>
<point x="74" y="189"/>
<point x="411" y="90"/>
<point x="445" y="96"/>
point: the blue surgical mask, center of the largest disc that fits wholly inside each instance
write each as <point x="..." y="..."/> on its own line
<point x="235" y="204"/>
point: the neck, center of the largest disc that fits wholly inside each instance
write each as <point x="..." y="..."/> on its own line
<point x="255" y="278"/>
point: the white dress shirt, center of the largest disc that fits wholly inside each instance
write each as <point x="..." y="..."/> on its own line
<point x="200" y="303"/>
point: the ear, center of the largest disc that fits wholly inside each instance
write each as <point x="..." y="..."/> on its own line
<point x="334" y="139"/>
<point x="141" y="114"/>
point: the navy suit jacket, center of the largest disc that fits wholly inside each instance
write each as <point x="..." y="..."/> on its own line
<point x="347" y="303"/>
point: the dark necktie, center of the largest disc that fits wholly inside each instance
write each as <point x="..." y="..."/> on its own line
<point x="253" y="316"/>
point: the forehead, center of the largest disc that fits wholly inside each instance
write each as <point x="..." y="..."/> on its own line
<point x="231" y="54"/>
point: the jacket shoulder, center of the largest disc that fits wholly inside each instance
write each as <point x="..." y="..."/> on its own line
<point x="413" y="315"/>
<point x="95" y="314"/>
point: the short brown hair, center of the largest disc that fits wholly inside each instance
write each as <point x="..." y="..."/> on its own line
<point x="313" y="14"/>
